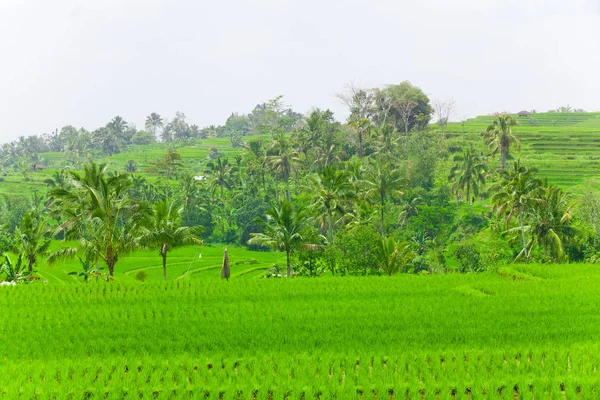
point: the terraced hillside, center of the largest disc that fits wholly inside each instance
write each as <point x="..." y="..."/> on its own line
<point x="564" y="146"/>
<point x="194" y="158"/>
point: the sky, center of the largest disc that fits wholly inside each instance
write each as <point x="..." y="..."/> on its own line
<point x="83" y="62"/>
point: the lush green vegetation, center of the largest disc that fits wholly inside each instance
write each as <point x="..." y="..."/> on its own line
<point x="409" y="224"/>
<point x="384" y="192"/>
<point x="524" y="332"/>
<point x="562" y="145"/>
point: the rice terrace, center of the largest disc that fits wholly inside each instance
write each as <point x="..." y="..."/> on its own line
<point x="296" y="200"/>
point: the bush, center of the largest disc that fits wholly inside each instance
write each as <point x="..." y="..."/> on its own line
<point x="141" y="275"/>
<point x="357" y="251"/>
<point x="468" y="257"/>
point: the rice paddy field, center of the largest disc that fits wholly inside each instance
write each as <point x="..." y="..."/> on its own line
<point x="524" y="332"/>
<point x="188" y="263"/>
<point x="565" y="147"/>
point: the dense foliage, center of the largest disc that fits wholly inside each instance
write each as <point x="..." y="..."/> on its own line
<point x="420" y="197"/>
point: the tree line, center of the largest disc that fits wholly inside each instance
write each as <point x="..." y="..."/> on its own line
<point x="385" y="191"/>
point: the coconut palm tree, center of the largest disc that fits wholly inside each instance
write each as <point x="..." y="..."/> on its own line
<point x="32" y="239"/>
<point x="499" y="136"/>
<point x="331" y="190"/>
<point x="285" y="160"/>
<point x="97" y="211"/>
<point x="516" y="195"/>
<point x="468" y="174"/>
<point x="283" y="226"/>
<point x="382" y="183"/>
<point x="387" y="140"/>
<point x="550" y="225"/>
<point x="153" y="123"/>
<point x="161" y="229"/>
<point x="221" y="173"/>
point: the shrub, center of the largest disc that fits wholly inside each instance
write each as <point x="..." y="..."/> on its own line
<point x="141" y="275"/>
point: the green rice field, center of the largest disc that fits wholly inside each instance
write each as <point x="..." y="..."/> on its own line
<point x="183" y="263"/>
<point x="565" y="147"/>
<point x="524" y="332"/>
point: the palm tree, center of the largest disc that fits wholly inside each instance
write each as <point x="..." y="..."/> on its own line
<point x="410" y="204"/>
<point x="97" y="211"/>
<point x="362" y="127"/>
<point x="14" y="272"/>
<point x="387" y="139"/>
<point x="257" y="163"/>
<point x="468" y="174"/>
<point x="393" y="255"/>
<point x="161" y="229"/>
<point x="550" y="222"/>
<point x="516" y="195"/>
<point x="153" y="123"/>
<point x="32" y="239"/>
<point x="285" y="159"/>
<point x="59" y="179"/>
<point x="283" y="229"/>
<point x="499" y="136"/>
<point x="331" y="189"/>
<point x="222" y="175"/>
<point x="383" y="182"/>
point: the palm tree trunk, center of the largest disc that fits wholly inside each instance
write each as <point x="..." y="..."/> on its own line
<point x="469" y="197"/>
<point x="360" y="144"/>
<point x="382" y="221"/>
<point x="330" y="226"/>
<point x="97" y="270"/>
<point x="503" y="157"/>
<point x="110" y="262"/>
<point x="523" y="235"/>
<point x="276" y="188"/>
<point x="289" y="262"/>
<point x="31" y="262"/>
<point x="163" y="253"/>
<point x="287" y="188"/>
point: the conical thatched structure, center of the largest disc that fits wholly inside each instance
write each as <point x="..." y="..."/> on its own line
<point x="225" y="271"/>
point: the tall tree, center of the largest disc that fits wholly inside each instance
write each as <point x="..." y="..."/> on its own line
<point x="221" y="174"/>
<point x="161" y="229"/>
<point x="468" y="174"/>
<point x="550" y="224"/>
<point x="100" y="202"/>
<point x="283" y="229"/>
<point x="285" y="159"/>
<point x="499" y="137"/>
<point x="407" y="104"/>
<point x="383" y="182"/>
<point x="154" y="122"/>
<point x="32" y="239"/>
<point x="516" y="195"/>
<point x="331" y="190"/>
<point x="362" y="129"/>
<point x="166" y="166"/>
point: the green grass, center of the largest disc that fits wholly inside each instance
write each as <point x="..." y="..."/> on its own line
<point x="524" y="332"/>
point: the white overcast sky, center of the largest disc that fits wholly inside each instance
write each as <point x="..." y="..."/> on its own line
<point x="83" y="62"/>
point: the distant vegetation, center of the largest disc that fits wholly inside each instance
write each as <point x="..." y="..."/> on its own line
<point x="396" y="188"/>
